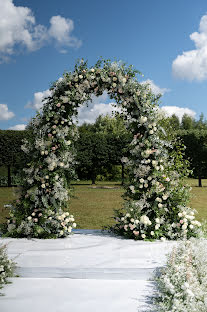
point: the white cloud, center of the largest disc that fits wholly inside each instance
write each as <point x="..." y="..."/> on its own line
<point x="97" y="107"/>
<point x="5" y="114"/>
<point x="178" y="111"/>
<point x="192" y="65"/>
<point x="38" y="100"/>
<point x="18" y="29"/>
<point x="155" y="88"/>
<point x="61" y="29"/>
<point x="18" y="127"/>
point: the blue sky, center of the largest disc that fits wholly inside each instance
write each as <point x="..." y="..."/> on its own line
<point x="39" y="40"/>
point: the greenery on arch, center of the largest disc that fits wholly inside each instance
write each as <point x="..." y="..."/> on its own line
<point x="155" y="199"/>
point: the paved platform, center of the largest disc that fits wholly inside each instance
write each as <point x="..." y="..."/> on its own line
<point x="89" y="271"/>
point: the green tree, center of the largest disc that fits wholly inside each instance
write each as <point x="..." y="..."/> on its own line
<point x="187" y="122"/>
<point x="175" y="122"/>
<point x="196" y="151"/>
<point x="92" y="155"/>
<point x="11" y="154"/>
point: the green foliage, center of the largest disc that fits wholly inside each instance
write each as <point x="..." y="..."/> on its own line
<point x="101" y="146"/>
<point x="11" y="154"/>
<point x="7" y="267"/>
<point x="196" y="150"/>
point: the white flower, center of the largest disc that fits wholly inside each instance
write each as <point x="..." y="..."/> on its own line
<point x="43" y="186"/>
<point x="152" y="233"/>
<point x="136" y="221"/>
<point x="184" y="226"/>
<point x="61" y="233"/>
<point x="132" y="189"/>
<point x="145" y="185"/>
<point x="157" y="226"/>
<point x="141" y="180"/>
<point x="158" y="199"/>
<point x="68" y="142"/>
<point x="145" y="220"/>
<point x="61" y="164"/>
<point x="92" y="70"/>
<point x="74" y="225"/>
<point x="151" y="132"/>
<point x="29" y="218"/>
<point x="163" y="239"/>
<point x="143" y="119"/>
<point x="80" y="76"/>
<point x="69" y="229"/>
<point x="143" y="235"/>
<point x="154" y="162"/>
<point x="165" y="197"/>
<point x="160" y="205"/>
<point x="157" y="220"/>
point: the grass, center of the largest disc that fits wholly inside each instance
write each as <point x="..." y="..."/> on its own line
<point x="93" y="207"/>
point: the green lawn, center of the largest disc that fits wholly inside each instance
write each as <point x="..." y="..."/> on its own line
<point x="93" y="207"/>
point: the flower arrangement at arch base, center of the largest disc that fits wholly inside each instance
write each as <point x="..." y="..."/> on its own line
<point x="47" y="224"/>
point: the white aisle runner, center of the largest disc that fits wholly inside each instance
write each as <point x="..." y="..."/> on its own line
<point x="89" y="271"/>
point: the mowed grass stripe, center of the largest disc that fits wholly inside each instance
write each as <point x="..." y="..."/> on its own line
<point x="93" y="207"/>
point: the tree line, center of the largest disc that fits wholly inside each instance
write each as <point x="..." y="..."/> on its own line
<point x="101" y="146"/>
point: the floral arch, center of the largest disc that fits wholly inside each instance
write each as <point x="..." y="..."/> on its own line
<point x="155" y="198"/>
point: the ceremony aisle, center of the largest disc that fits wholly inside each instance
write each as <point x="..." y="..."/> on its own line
<point x="90" y="271"/>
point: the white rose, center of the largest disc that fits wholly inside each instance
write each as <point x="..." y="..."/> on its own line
<point x="143" y="119"/>
<point x="80" y="76"/>
<point x="61" y="233"/>
<point x="29" y="218"/>
<point x="42" y="152"/>
<point x="152" y="233"/>
<point x="61" y="164"/>
<point x="141" y="180"/>
<point x="184" y="226"/>
<point x="69" y="229"/>
<point x="160" y="205"/>
<point x="92" y="70"/>
<point x="151" y="132"/>
<point x="43" y="185"/>
<point x="158" y="199"/>
<point x="74" y="225"/>
<point x="157" y="226"/>
<point x="163" y="239"/>
<point x="143" y="235"/>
